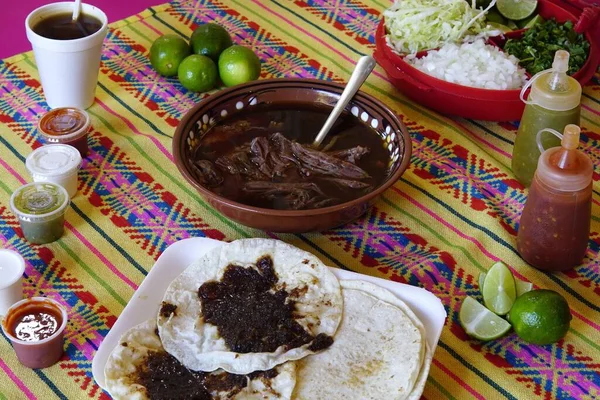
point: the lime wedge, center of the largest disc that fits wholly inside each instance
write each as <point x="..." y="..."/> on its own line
<point x="480" y="281"/>
<point x="521" y="286"/>
<point x="533" y="22"/>
<point x="479" y="322"/>
<point x="500" y="27"/>
<point x="499" y="289"/>
<point x="494" y="16"/>
<point x="516" y="9"/>
<point x="512" y="25"/>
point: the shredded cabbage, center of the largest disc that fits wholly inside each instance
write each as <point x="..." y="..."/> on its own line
<point x="416" y="25"/>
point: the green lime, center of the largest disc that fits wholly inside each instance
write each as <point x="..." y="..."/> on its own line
<point x="512" y="25"/>
<point x="238" y="64"/>
<point x="500" y="27"/>
<point x="210" y="40"/>
<point x="479" y="322"/>
<point x="531" y="22"/>
<point x="167" y="52"/>
<point x="494" y="16"/>
<point x="499" y="291"/>
<point x="521" y="286"/>
<point x="516" y="9"/>
<point x="197" y="73"/>
<point x="481" y="280"/>
<point x="540" y="316"/>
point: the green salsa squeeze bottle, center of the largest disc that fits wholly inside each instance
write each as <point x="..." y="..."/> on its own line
<point x="554" y="102"/>
<point x="555" y="224"/>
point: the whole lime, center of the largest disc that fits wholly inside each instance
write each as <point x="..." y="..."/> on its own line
<point x="540" y="316"/>
<point x="197" y="73"/>
<point x="210" y="40"/>
<point x="167" y="52"/>
<point x="238" y="64"/>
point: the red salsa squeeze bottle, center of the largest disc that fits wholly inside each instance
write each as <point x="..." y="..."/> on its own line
<point x="555" y="224"/>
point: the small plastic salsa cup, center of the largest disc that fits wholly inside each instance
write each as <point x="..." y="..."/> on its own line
<point x="66" y="125"/>
<point x="40" y="207"/>
<point x="56" y="163"/>
<point x="36" y="351"/>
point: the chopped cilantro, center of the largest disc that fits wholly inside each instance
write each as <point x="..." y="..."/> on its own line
<point x="535" y="50"/>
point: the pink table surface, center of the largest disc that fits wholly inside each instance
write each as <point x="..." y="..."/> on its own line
<point x="12" y="28"/>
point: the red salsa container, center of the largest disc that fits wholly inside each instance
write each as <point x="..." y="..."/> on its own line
<point x="66" y="125"/>
<point x="36" y="328"/>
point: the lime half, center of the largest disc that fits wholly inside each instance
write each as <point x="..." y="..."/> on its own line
<point x="516" y="9"/>
<point x="499" y="289"/>
<point x="479" y="322"/>
<point x="521" y="286"/>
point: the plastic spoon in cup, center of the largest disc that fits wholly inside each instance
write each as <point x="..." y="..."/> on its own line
<point x="76" y="9"/>
<point x="363" y="69"/>
<point x="76" y="21"/>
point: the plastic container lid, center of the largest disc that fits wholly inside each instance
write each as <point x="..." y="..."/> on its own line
<point x="54" y="160"/>
<point x="556" y="90"/>
<point x="64" y="124"/>
<point x="39" y="201"/>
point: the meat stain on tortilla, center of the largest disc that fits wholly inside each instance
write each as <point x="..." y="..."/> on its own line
<point x="321" y="342"/>
<point x="166" y="309"/>
<point x="251" y="314"/>
<point x="299" y="291"/>
<point x="163" y="377"/>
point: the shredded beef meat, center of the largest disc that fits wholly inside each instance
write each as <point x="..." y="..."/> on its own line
<point x="316" y="162"/>
<point x="352" y="155"/>
<point x="288" y="174"/>
<point x="207" y="173"/>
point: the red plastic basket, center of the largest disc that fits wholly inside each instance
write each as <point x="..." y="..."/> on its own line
<point x="464" y="101"/>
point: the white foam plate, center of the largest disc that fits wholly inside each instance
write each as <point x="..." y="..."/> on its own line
<point x="146" y="300"/>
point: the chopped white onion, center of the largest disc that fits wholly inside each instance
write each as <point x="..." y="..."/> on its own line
<point x="475" y="64"/>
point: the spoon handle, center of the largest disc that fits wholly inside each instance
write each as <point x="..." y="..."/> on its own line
<point x="363" y="68"/>
<point x="76" y="9"/>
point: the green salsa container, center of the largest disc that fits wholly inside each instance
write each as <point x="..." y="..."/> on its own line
<point x="41" y="209"/>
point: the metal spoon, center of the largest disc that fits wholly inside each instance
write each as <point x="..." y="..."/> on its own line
<point x="363" y="68"/>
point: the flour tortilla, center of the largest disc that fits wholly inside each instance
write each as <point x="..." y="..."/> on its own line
<point x="379" y="352"/>
<point x="141" y="339"/>
<point x="198" y="345"/>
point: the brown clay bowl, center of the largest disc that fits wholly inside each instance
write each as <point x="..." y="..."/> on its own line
<point x="216" y="108"/>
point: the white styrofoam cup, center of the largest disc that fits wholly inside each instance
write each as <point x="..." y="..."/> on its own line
<point x="12" y="266"/>
<point x="68" y="68"/>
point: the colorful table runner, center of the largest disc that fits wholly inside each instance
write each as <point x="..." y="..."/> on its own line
<point x="453" y="213"/>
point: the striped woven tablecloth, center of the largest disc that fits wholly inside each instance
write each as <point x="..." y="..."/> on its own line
<point x="453" y="213"/>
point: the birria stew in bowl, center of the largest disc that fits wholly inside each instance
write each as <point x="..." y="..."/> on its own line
<point x="248" y="151"/>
